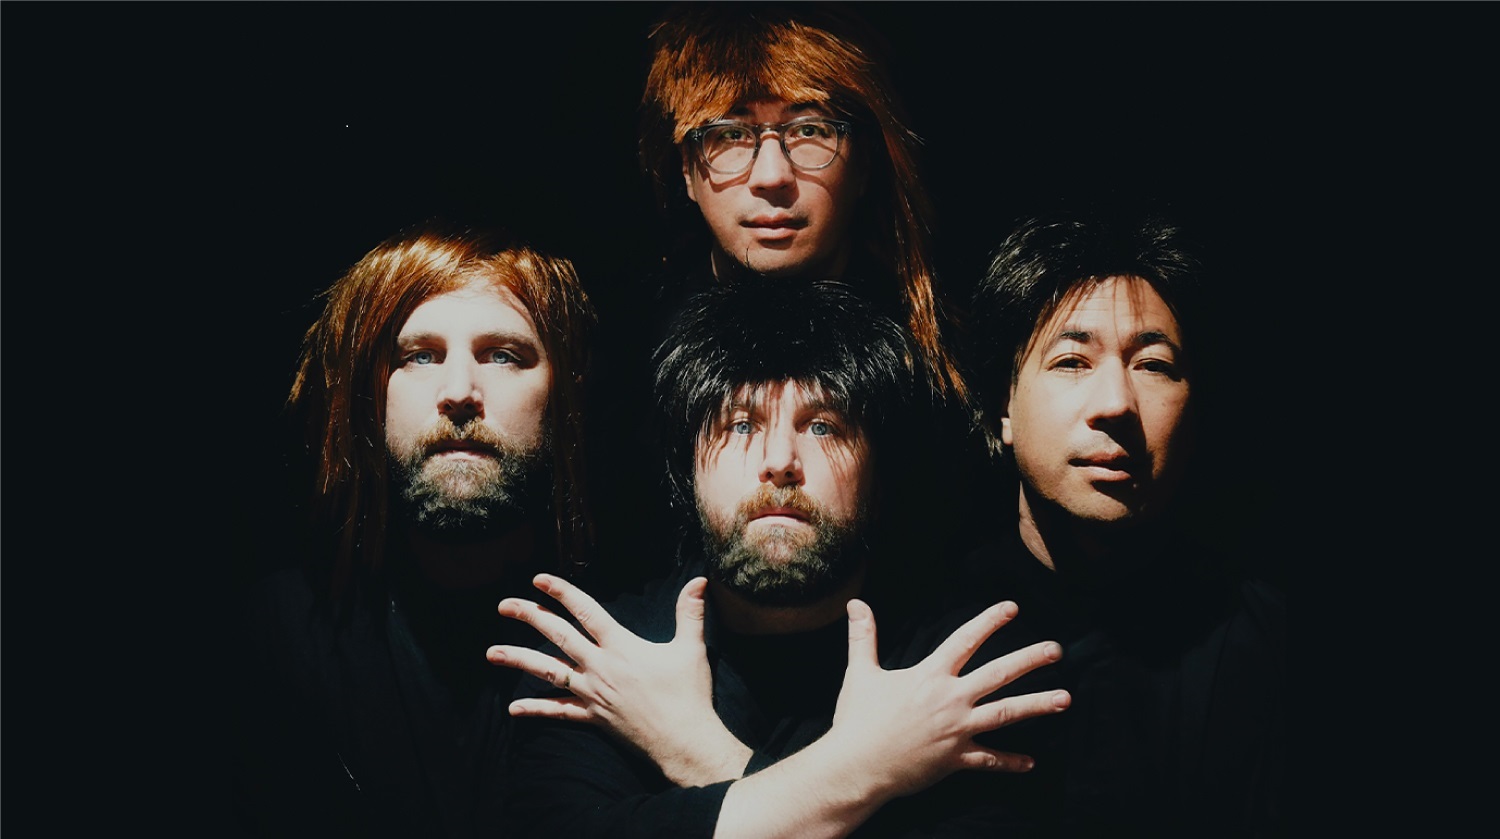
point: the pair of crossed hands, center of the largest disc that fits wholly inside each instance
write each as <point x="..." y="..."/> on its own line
<point x="898" y="731"/>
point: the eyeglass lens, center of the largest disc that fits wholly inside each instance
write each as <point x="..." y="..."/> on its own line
<point x="731" y="148"/>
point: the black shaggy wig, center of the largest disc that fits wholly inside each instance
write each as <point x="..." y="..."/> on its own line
<point x="819" y="334"/>
<point x="1046" y="258"/>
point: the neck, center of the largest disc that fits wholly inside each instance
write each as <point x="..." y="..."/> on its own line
<point x="746" y="617"/>
<point x="1085" y="550"/>
<point x="728" y="268"/>
<point x="466" y="565"/>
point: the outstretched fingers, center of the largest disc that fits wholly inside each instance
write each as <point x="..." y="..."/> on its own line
<point x="552" y="626"/>
<point x="862" y="646"/>
<point x="956" y="650"/>
<point x="559" y="708"/>
<point x="1013" y="709"/>
<point x="594" y="619"/>
<point x="691" y="610"/>
<point x="540" y="665"/>
<point x="993" y="675"/>
<point x="988" y="760"/>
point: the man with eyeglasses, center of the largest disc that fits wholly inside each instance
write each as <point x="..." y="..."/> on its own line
<point x="779" y="125"/>
<point x="778" y="149"/>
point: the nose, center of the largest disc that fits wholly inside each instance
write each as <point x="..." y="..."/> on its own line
<point x="460" y="399"/>
<point x="1112" y="396"/>
<point x="781" y="465"/>
<point x="771" y="169"/>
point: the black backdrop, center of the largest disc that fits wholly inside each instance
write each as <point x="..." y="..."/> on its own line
<point x="180" y="179"/>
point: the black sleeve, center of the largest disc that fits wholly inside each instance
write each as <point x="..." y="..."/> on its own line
<point x="571" y="779"/>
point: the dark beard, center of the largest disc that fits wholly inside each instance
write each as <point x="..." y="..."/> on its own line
<point x="782" y="568"/>
<point x="468" y="498"/>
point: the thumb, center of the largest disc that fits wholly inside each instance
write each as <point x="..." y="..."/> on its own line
<point x="690" y="611"/>
<point x="861" y="635"/>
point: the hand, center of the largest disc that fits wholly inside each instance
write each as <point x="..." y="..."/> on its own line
<point x="655" y="697"/>
<point x="914" y="727"/>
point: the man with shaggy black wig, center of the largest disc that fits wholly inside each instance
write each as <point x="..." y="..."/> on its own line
<point x="1093" y="345"/>
<point x="778" y="148"/>
<point x="746" y="694"/>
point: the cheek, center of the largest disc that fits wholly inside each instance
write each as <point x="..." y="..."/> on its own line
<point x="1169" y="429"/>
<point x="529" y="407"/>
<point x="400" y="397"/>
<point x="401" y="419"/>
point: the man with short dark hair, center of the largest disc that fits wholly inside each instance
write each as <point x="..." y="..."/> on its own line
<point x="440" y="394"/>
<point x="733" y="697"/>
<point x="1094" y="364"/>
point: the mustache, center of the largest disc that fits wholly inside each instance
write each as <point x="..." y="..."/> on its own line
<point x="791" y="497"/>
<point x="443" y="434"/>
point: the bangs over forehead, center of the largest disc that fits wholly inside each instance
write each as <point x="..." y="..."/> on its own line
<point x="704" y="69"/>
<point x="734" y="341"/>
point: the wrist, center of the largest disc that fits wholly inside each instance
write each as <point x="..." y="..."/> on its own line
<point x="712" y="757"/>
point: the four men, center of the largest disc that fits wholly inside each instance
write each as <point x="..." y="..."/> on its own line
<point x="747" y="692"/>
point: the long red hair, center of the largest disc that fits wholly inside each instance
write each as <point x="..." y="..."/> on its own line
<point x="348" y="355"/>
<point x="706" y="58"/>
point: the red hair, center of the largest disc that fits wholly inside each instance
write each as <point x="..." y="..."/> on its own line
<point x="349" y="352"/>
<point x="707" y="58"/>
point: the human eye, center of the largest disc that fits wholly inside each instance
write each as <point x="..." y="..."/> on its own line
<point x="420" y="358"/>
<point x="1160" y="367"/>
<point x="821" y="428"/>
<point x="742" y="427"/>
<point x="732" y="134"/>
<point x="498" y="356"/>
<point x="1069" y="364"/>
<point x="812" y="130"/>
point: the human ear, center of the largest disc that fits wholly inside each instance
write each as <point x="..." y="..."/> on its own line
<point x="1006" y="436"/>
<point x="687" y="175"/>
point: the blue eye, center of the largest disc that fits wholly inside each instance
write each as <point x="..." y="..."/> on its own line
<point x="502" y="357"/>
<point x="422" y="357"/>
<point x="819" y="428"/>
<point x="741" y="427"/>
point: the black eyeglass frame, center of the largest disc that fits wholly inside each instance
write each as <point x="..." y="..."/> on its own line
<point x="842" y="127"/>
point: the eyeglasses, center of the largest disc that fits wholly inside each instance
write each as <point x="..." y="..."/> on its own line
<point x="729" y="146"/>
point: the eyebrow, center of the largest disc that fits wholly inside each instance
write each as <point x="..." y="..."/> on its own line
<point x="1148" y="338"/>
<point x="823" y="406"/>
<point x="799" y="109"/>
<point x="811" y="406"/>
<point x="498" y="337"/>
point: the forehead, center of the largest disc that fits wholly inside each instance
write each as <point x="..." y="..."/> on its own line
<point x="1111" y="311"/>
<point x="773" y="110"/>
<point x="772" y="397"/>
<point x="476" y="308"/>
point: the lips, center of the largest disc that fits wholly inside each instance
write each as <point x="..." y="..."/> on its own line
<point x="789" y="512"/>
<point x="775" y="221"/>
<point x="1113" y="466"/>
<point x="461" y="447"/>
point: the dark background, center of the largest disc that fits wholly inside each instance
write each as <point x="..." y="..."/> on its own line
<point x="180" y="180"/>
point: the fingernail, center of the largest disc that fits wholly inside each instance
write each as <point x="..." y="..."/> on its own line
<point x="1061" y="699"/>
